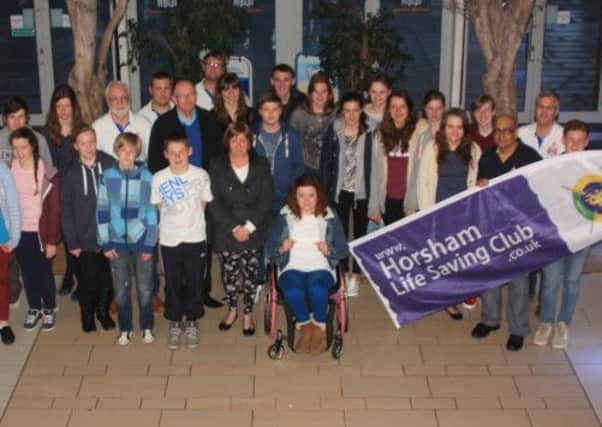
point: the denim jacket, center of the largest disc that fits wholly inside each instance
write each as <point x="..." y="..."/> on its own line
<point x="279" y="232"/>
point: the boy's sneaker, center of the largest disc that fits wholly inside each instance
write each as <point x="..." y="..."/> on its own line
<point x="175" y="333"/>
<point x="124" y="338"/>
<point x="192" y="335"/>
<point x="542" y="334"/>
<point x="148" y="337"/>
<point x="560" y="339"/>
<point x="48" y="319"/>
<point x="32" y="318"/>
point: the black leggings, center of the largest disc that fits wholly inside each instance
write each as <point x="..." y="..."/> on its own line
<point x="346" y="206"/>
<point x="393" y="210"/>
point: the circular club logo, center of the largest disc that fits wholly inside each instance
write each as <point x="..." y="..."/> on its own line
<point x="587" y="197"/>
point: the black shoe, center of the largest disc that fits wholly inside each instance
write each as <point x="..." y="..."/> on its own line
<point x="482" y="330"/>
<point x="66" y="286"/>
<point x="106" y="322"/>
<point x="88" y="323"/>
<point x="514" y="343"/>
<point x="457" y="315"/>
<point x="7" y="335"/>
<point x="224" y="326"/>
<point x="210" y="302"/>
<point x="250" y="331"/>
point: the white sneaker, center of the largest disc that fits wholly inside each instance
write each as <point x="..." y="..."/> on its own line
<point x="542" y="334"/>
<point x="148" y="337"/>
<point x="561" y="336"/>
<point x="353" y="286"/>
<point x="124" y="338"/>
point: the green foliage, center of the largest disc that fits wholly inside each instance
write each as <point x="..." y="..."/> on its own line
<point x="175" y="38"/>
<point x="357" y="47"/>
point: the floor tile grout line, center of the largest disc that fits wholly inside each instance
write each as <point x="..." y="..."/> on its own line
<point x="591" y="405"/>
<point x="10" y="398"/>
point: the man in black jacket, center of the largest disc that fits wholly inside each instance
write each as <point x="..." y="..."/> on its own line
<point x="282" y="82"/>
<point x="203" y="133"/>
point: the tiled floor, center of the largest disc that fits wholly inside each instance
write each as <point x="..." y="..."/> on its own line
<point x="431" y="373"/>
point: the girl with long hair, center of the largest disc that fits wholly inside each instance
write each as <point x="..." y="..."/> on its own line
<point x="39" y="197"/>
<point x="448" y="166"/>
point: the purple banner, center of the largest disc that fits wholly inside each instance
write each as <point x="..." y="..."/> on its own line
<point x="459" y="250"/>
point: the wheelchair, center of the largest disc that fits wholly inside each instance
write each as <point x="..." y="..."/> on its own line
<point x="337" y="322"/>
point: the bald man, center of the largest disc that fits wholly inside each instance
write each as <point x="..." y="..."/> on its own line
<point x="508" y="154"/>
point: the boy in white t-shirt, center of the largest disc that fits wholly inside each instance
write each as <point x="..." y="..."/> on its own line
<point x="181" y="192"/>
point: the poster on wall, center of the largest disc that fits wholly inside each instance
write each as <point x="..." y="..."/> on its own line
<point x="243" y="68"/>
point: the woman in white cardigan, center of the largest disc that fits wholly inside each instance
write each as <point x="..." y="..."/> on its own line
<point x="448" y="166"/>
<point x="450" y="162"/>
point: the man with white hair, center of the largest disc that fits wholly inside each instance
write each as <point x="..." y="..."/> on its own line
<point x="120" y="119"/>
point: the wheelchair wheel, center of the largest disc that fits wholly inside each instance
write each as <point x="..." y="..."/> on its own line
<point x="291" y="324"/>
<point x="276" y="351"/>
<point x="337" y="347"/>
<point x="346" y="315"/>
<point x="267" y="312"/>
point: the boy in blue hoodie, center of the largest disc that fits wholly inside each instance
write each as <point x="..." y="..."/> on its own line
<point x="280" y="144"/>
<point x="127" y="233"/>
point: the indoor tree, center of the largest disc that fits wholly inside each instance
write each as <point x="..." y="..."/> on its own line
<point x="358" y="46"/>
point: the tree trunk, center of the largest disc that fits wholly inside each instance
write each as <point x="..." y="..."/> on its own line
<point x="500" y="31"/>
<point x="87" y="82"/>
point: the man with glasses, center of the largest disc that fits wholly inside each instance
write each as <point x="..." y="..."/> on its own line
<point x="214" y="67"/>
<point x="508" y="154"/>
<point x="120" y="119"/>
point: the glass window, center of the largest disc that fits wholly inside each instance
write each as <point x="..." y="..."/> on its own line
<point x="475" y="67"/>
<point x="19" y="72"/>
<point x="257" y="45"/>
<point x="62" y="39"/>
<point x="572" y="53"/>
<point x="313" y="28"/>
<point x="419" y="24"/>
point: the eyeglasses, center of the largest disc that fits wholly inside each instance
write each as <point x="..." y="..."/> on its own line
<point x="505" y="131"/>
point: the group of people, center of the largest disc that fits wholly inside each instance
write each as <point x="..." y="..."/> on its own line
<point x="198" y="171"/>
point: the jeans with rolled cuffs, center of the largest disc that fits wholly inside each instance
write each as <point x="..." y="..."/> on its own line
<point x="120" y="268"/>
<point x="566" y="272"/>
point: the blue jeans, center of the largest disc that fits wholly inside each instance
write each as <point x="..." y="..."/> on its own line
<point x="567" y="271"/>
<point x="517" y="306"/>
<point x="120" y="268"/>
<point x="300" y="287"/>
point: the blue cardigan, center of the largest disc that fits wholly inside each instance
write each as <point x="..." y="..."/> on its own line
<point x="279" y="232"/>
<point x="9" y="205"/>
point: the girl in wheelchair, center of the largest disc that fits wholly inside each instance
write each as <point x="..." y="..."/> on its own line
<point x="306" y="242"/>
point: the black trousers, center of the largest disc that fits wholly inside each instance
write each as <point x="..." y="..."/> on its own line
<point x="393" y="210"/>
<point x="184" y="267"/>
<point x="346" y="207"/>
<point x="95" y="282"/>
<point x="36" y="269"/>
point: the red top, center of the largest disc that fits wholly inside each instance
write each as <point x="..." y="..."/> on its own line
<point x="485" y="142"/>
<point x="397" y="168"/>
